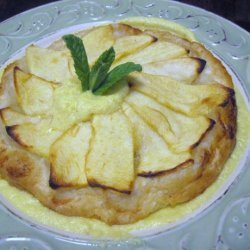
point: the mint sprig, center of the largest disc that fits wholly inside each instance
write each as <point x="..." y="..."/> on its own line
<point x="99" y="80"/>
<point x="101" y="68"/>
<point x="115" y="75"/>
<point x="76" y="47"/>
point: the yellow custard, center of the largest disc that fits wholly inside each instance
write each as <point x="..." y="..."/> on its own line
<point x="79" y="106"/>
<point x="32" y="208"/>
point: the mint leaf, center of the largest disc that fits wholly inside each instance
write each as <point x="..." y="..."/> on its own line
<point x="98" y="80"/>
<point x="76" y="47"/>
<point x="101" y="67"/>
<point x="115" y="75"/>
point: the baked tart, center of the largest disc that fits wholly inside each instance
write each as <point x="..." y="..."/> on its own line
<point x="122" y="146"/>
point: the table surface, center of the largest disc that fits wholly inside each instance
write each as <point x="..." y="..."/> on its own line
<point x="234" y="10"/>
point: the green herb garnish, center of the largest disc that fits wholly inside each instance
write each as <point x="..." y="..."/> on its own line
<point x="99" y="80"/>
<point x="76" y="47"/>
<point x="115" y="75"/>
<point x="101" y="68"/>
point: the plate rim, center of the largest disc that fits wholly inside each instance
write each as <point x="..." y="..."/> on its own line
<point x="170" y="1"/>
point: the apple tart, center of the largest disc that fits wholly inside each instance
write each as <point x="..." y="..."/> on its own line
<point x="158" y="138"/>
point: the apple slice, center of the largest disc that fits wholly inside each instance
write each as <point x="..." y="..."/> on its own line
<point x="50" y="65"/>
<point x="188" y="99"/>
<point x="130" y="44"/>
<point x="186" y="69"/>
<point x="153" y="156"/>
<point x="7" y="89"/>
<point x="34" y="94"/>
<point x="68" y="154"/>
<point x="97" y="41"/>
<point x="3" y="102"/>
<point x="37" y="138"/>
<point x="178" y="130"/>
<point x="11" y="117"/>
<point x="110" y="161"/>
<point x="158" y="51"/>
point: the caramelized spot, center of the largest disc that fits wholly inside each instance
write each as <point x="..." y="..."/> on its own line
<point x="94" y="183"/>
<point x="130" y="84"/>
<point x="211" y="125"/>
<point x="205" y="158"/>
<point x="231" y="96"/>
<point x="59" y="202"/>
<point x="202" y="64"/>
<point x="15" y="164"/>
<point x="12" y="133"/>
<point x="228" y="122"/>
<point x="176" y="168"/>
<point x="53" y="185"/>
<point x="228" y="129"/>
<point x="155" y="39"/>
<point x="21" y="170"/>
<point x="231" y="131"/>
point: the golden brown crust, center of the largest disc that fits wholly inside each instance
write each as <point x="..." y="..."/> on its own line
<point x="181" y="184"/>
<point x="211" y="125"/>
<point x="93" y="183"/>
<point x="150" y="174"/>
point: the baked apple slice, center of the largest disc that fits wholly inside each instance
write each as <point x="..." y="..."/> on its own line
<point x="68" y="154"/>
<point x="36" y="138"/>
<point x="8" y="95"/>
<point x="153" y="156"/>
<point x="158" y="51"/>
<point x="180" y="132"/>
<point x="97" y="41"/>
<point x="110" y="161"/>
<point x="7" y="90"/>
<point x="185" y="69"/>
<point x="11" y="117"/>
<point x="42" y="61"/>
<point x="188" y="99"/>
<point x="130" y="44"/>
<point x="35" y="95"/>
